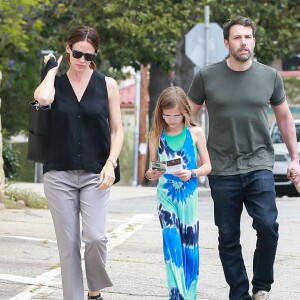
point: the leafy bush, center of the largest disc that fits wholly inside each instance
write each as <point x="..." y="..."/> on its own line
<point x="20" y="198"/>
<point x="26" y="170"/>
<point x="11" y="160"/>
<point x="292" y="89"/>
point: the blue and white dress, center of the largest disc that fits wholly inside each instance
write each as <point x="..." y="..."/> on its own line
<point x="178" y="214"/>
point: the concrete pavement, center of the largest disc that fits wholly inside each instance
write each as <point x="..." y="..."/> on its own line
<point x="135" y="259"/>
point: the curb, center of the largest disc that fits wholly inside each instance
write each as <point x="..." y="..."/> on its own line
<point x="117" y="192"/>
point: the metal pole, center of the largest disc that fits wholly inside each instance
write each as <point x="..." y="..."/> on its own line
<point x="207" y="61"/>
<point x="137" y="100"/>
<point x="206" y="18"/>
<point x="143" y="124"/>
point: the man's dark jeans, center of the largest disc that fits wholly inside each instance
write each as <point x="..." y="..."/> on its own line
<point x="257" y="192"/>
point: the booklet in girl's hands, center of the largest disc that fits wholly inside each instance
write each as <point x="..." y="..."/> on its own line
<point x="158" y="165"/>
<point x="174" y="165"/>
<point x="169" y="166"/>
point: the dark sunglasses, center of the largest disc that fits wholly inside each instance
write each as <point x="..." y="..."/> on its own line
<point x="87" y="56"/>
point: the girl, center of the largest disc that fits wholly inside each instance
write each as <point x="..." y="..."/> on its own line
<point x="174" y="135"/>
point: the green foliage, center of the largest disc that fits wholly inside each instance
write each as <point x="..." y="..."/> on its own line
<point x="17" y="198"/>
<point x="25" y="172"/>
<point x="278" y="24"/>
<point x="19" y="62"/>
<point x="22" y="75"/>
<point x="134" y="31"/>
<point x="292" y="89"/>
<point x="17" y="19"/>
<point x="11" y="161"/>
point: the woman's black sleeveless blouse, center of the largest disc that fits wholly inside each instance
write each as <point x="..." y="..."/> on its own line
<point x="79" y="135"/>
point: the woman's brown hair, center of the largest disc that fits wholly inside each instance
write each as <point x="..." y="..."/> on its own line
<point x="84" y="33"/>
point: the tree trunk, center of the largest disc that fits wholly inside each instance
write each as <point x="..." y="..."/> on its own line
<point x="183" y="69"/>
<point x="159" y="80"/>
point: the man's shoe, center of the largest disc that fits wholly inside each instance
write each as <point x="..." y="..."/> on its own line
<point x="261" y="295"/>
<point x="98" y="297"/>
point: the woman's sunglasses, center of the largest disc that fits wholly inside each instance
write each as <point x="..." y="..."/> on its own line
<point x="87" y="56"/>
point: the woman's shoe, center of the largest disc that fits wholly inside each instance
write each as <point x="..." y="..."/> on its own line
<point x="98" y="297"/>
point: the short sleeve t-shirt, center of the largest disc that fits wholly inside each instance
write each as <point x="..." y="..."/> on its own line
<point x="237" y="104"/>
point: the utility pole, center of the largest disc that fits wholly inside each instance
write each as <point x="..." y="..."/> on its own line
<point x="137" y="102"/>
<point x="143" y="124"/>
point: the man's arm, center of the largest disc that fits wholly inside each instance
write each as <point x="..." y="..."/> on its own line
<point x="195" y="107"/>
<point x="287" y="129"/>
<point x="196" y="94"/>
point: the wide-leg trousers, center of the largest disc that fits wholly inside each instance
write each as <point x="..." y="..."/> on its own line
<point x="71" y="194"/>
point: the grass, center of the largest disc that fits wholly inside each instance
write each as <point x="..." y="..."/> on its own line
<point x="16" y="198"/>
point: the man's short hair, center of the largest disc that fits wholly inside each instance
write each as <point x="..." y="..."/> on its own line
<point x="239" y="20"/>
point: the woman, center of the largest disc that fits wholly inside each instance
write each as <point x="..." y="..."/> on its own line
<point x="84" y="141"/>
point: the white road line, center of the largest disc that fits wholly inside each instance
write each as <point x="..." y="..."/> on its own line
<point x="43" y="281"/>
<point x="124" y="231"/>
<point x="26" y="238"/>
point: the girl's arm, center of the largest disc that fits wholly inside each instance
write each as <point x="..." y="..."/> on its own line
<point x="45" y="92"/>
<point x="205" y="167"/>
<point x="107" y="175"/>
<point x="200" y="140"/>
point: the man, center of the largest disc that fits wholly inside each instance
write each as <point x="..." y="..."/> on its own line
<point x="237" y="93"/>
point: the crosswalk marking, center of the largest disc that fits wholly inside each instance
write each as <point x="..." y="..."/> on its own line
<point x="46" y="280"/>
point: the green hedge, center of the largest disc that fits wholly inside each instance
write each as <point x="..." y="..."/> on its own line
<point x="25" y="172"/>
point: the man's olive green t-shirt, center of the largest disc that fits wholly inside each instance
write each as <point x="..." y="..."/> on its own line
<point x="237" y="103"/>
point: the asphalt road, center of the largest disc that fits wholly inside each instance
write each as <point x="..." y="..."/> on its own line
<point x="29" y="264"/>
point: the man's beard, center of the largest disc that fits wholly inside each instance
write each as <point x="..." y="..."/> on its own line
<point x="241" y="58"/>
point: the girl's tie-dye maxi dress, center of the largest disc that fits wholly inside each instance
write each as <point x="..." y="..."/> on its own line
<point x="178" y="214"/>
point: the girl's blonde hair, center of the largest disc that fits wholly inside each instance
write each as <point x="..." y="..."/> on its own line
<point x="168" y="99"/>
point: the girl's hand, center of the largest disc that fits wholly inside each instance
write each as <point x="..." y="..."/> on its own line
<point x="107" y="176"/>
<point x="293" y="173"/>
<point x="184" y="175"/>
<point x="153" y="174"/>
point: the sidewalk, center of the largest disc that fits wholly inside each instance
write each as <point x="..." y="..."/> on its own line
<point x="117" y="191"/>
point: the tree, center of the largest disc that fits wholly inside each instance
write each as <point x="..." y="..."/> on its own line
<point x="135" y="32"/>
<point x="16" y="22"/>
<point x="19" y="60"/>
<point x="278" y="24"/>
<point x="14" y="31"/>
